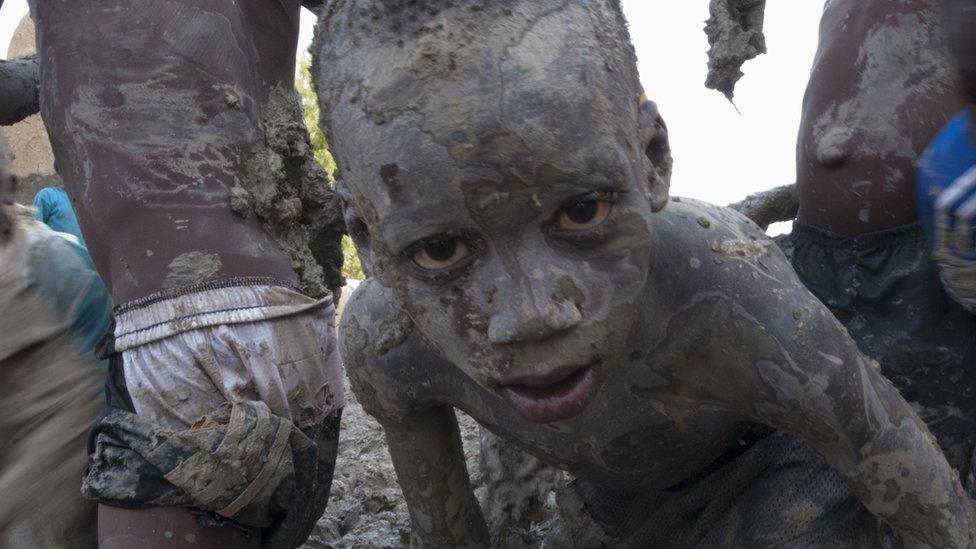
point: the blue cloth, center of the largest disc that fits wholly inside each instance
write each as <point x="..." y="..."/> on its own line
<point x="63" y="275"/>
<point x="53" y="208"/>
<point x="950" y="154"/>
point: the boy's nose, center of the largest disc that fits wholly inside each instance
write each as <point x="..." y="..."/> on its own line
<point x="533" y="320"/>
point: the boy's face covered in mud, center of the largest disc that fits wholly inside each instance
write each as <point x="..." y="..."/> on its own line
<point x="509" y="212"/>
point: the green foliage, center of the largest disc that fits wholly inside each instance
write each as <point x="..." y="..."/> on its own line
<point x="310" y="106"/>
<point x="351" y="266"/>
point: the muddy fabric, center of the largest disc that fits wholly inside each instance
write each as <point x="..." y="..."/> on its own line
<point x="885" y="289"/>
<point x="65" y="278"/>
<point x="187" y="351"/>
<point x="946" y="195"/>
<point x="49" y="395"/>
<point x="53" y="267"/>
<point x="770" y="490"/>
<point x="241" y="463"/>
<point x="226" y="398"/>
<point x="951" y="154"/>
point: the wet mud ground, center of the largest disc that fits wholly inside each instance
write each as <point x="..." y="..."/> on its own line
<point x="366" y="508"/>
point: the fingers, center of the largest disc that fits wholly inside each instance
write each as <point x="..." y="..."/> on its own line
<point x="955" y="216"/>
<point x="964" y="220"/>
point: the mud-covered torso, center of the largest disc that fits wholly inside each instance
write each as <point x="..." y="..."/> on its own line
<point x="204" y="173"/>
<point x="881" y="86"/>
<point x="662" y="413"/>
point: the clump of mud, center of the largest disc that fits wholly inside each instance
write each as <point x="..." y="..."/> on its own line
<point x="735" y="35"/>
<point x="289" y="191"/>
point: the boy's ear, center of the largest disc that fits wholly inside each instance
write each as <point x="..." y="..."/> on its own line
<point x="657" y="153"/>
<point x="357" y="231"/>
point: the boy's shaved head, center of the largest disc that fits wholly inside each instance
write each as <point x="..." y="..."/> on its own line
<point x="500" y="165"/>
<point x="509" y="77"/>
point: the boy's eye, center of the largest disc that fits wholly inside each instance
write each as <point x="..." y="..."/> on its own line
<point x="584" y="214"/>
<point x="440" y="254"/>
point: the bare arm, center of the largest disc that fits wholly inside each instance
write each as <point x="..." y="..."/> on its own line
<point x="827" y="392"/>
<point x="19" y="88"/>
<point x="424" y="443"/>
<point x="767" y="207"/>
<point x="429" y="462"/>
<point x="777" y="356"/>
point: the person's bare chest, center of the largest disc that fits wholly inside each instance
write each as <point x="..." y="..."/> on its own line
<point x="631" y="435"/>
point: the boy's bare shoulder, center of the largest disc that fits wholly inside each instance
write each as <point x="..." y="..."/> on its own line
<point x="722" y="246"/>
<point x="385" y="357"/>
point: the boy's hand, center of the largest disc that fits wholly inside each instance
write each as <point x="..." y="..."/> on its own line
<point x="955" y="239"/>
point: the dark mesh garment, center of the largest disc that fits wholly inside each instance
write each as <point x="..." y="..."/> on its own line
<point x="886" y="290"/>
<point x="771" y="490"/>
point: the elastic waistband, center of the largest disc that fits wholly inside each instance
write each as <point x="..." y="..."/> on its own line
<point x="905" y="234"/>
<point x="208" y="304"/>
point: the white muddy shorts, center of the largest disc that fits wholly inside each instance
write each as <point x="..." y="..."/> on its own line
<point x="185" y="352"/>
<point x="224" y="397"/>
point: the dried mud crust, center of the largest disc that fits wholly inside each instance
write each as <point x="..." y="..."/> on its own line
<point x="735" y="35"/>
<point x="289" y="191"/>
<point x="366" y="508"/>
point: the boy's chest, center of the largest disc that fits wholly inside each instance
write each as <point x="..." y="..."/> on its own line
<point x="618" y="440"/>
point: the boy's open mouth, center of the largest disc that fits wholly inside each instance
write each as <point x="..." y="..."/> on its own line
<point x="556" y="396"/>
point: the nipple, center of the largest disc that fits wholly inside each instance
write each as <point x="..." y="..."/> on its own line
<point x="832" y="147"/>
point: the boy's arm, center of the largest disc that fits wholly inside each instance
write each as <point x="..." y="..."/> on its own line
<point x="827" y="392"/>
<point x="788" y="363"/>
<point x="424" y="441"/>
<point x="429" y="462"/>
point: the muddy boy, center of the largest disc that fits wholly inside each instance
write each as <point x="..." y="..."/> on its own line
<point x="507" y="187"/>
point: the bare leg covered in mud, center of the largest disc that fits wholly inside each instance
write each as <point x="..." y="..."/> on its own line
<point x="179" y="136"/>
<point x="509" y="194"/>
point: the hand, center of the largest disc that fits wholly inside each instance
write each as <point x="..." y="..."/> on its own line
<point x="8" y="185"/>
<point x="955" y="239"/>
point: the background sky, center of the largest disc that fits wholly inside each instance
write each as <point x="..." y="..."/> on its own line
<point x="721" y="155"/>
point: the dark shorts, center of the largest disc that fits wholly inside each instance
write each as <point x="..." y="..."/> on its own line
<point x="886" y="290"/>
<point x="769" y="490"/>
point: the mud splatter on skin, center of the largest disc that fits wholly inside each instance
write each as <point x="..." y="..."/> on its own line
<point x="240" y="201"/>
<point x="910" y="38"/>
<point x="393" y="332"/>
<point x="192" y="267"/>
<point x="289" y="192"/>
<point x="881" y="86"/>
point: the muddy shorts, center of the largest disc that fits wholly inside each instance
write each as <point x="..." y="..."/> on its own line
<point x="224" y="397"/>
<point x="768" y="490"/>
<point x="886" y="290"/>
